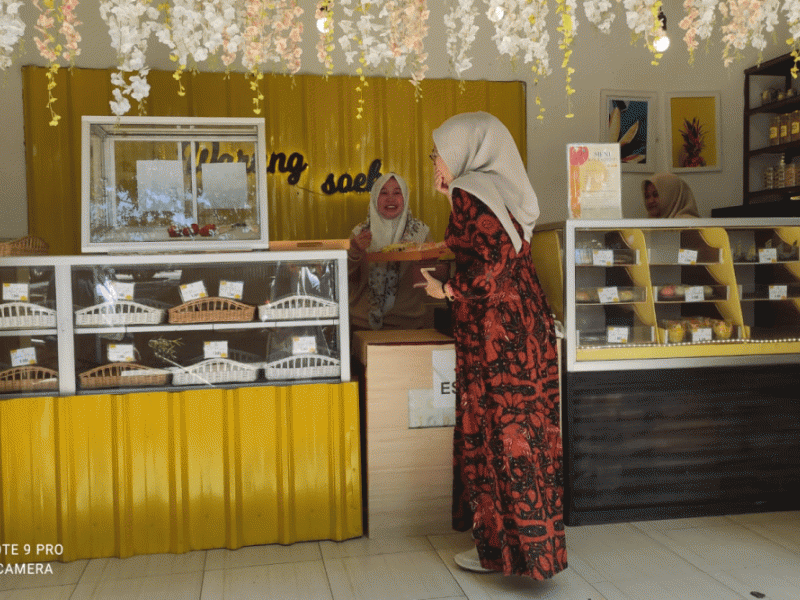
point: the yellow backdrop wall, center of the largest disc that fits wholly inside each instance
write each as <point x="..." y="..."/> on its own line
<point x="307" y="115"/>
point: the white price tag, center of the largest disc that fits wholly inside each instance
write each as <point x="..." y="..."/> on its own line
<point x="687" y="257"/>
<point x="603" y="258"/>
<point x="768" y="255"/>
<point x="120" y="352"/>
<point x="617" y="335"/>
<point x="122" y="290"/>
<point x="609" y="294"/>
<point x="777" y="292"/>
<point x="702" y="335"/>
<point x="583" y="256"/>
<point x="231" y="289"/>
<point x="23" y="356"/>
<point x="304" y="344"/>
<point x="695" y="293"/>
<point x="16" y="292"/>
<point x="193" y="291"/>
<point x="215" y="349"/>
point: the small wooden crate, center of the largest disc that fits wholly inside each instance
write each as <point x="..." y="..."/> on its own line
<point x="25" y="246"/>
<point x="211" y="310"/>
<point x="215" y="370"/>
<point x="298" y="307"/>
<point x="120" y="312"/>
<point x="123" y="375"/>
<point x="28" y="378"/>
<point x="303" y="366"/>
<point x="21" y="315"/>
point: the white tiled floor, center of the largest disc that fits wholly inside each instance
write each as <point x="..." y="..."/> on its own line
<point x="721" y="558"/>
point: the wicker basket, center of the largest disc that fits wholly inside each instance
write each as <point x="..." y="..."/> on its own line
<point x="121" y="312"/>
<point x="123" y="375"/>
<point x="303" y="366"/>
<point x="298" y="307"/>
<point x="215" y="370"/>
<point x="29" y="378"/>
<point x="211" y="310"/>
<point x="16" y="315"/>
<point x="26" y="246"/>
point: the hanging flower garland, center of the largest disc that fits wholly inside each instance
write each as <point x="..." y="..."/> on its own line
<point x="408" y="27"/>
<point x="567" y="8"/>
<point x="792" y="10"/>
<point x="747" y="20"/>
<point x="197" y="30"/>
<point x="459" y="23"/>
<point x="47" y="45"/>
<point x="642" y="19"/>
<point x="324" y="15"/>
<point x="130" y="23"/>
<point x="599" y="13"/>
<point x="12" y="28"/>
<point x="698" y="23"/>
<point x="521" y="29"/>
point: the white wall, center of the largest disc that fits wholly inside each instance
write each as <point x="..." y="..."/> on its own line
<point x="600" y="61"/>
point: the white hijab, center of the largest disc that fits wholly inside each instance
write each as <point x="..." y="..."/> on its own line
<point x="485" y="161"/>
<point x="386" y="231"/>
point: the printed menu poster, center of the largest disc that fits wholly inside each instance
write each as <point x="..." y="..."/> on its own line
<point x="595" y="183"/>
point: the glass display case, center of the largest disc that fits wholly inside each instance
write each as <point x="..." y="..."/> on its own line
<point x="81" y="323"/>
<point x="173" y="184"/>
<point x="679" y="380"/>
<point x="683" y="292"/>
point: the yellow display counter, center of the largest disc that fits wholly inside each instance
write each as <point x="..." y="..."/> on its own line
<point x="171" y="472"/>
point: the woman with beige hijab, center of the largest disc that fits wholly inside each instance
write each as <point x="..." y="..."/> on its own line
<point x="508" y="477"/>
<point x="667" y="196"/>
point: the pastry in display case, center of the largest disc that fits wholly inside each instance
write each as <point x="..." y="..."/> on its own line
<point x="86" y="323"/>
<point x="634" y="290"/>
<point x="173" y="184"/>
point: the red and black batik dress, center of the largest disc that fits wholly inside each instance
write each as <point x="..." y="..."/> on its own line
<point x="508" y="478"/>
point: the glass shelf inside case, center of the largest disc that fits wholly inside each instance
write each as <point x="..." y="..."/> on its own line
<point x="173" y="184"/>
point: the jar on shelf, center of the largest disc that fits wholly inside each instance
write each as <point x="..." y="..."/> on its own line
<point x="781" y="95"/>
<point x="766" y="96"/>
<point x="790" y="175"/>
<point x="786" y="128"/>
<point x="780" y="173"/>
<point x="795" y="128"/>
<point x="769" y="178"/>
<point x="775" y="130"/>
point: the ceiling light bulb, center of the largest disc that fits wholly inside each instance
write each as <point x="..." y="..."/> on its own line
<point x="497" y="14"/>
<point x="321" y="24"/>
<point x="662" y="42"/>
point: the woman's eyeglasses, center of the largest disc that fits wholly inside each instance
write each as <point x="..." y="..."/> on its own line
<point x="434" y="155"/>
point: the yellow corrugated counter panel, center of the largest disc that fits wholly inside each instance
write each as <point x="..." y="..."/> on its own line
<point x="122" y="475"/>
<point x="682" y="351"/>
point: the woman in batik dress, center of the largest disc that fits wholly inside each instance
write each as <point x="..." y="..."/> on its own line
<point x="508" y="477"/>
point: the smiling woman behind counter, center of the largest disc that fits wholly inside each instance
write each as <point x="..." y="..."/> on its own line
<point x="667" y="196"/>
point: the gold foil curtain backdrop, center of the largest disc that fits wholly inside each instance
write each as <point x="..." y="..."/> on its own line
<point x="318" y="153"/>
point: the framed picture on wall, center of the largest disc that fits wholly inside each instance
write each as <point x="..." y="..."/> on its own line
<point x="629" y="118"/>
<point x="693" y="128"/>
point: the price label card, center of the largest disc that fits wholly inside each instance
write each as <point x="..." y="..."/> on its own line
<point x="583" y="256"/>
<point x="18" y="292"/>
<point x="304" y="344"/>
<point x="695" y="293"/>
<point x="603" y="258"/>
<point x="609" y="294"/>
<point x="768" y="255"/>
<point x="215" y="349"/>
<point x="231" y="289"/>
<point x="122" y="290"/>
<point x="702" y="335"/>
<point x="617" y="335"/>
<point x="777" y="292"/>
<point x="120" y="352"/>
<point x="687" y="257"/>
<point x="193" y="291"/>
<point x="23" y="356"/>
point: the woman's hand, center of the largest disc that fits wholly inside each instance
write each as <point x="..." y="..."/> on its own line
<point x="359" y="244"/>
<point x="433" y="287"/>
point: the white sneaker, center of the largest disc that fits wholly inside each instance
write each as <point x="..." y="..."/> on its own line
<point x="469" y="561"/>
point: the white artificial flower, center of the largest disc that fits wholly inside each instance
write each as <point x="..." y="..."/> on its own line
<point x="12" y="28"/>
